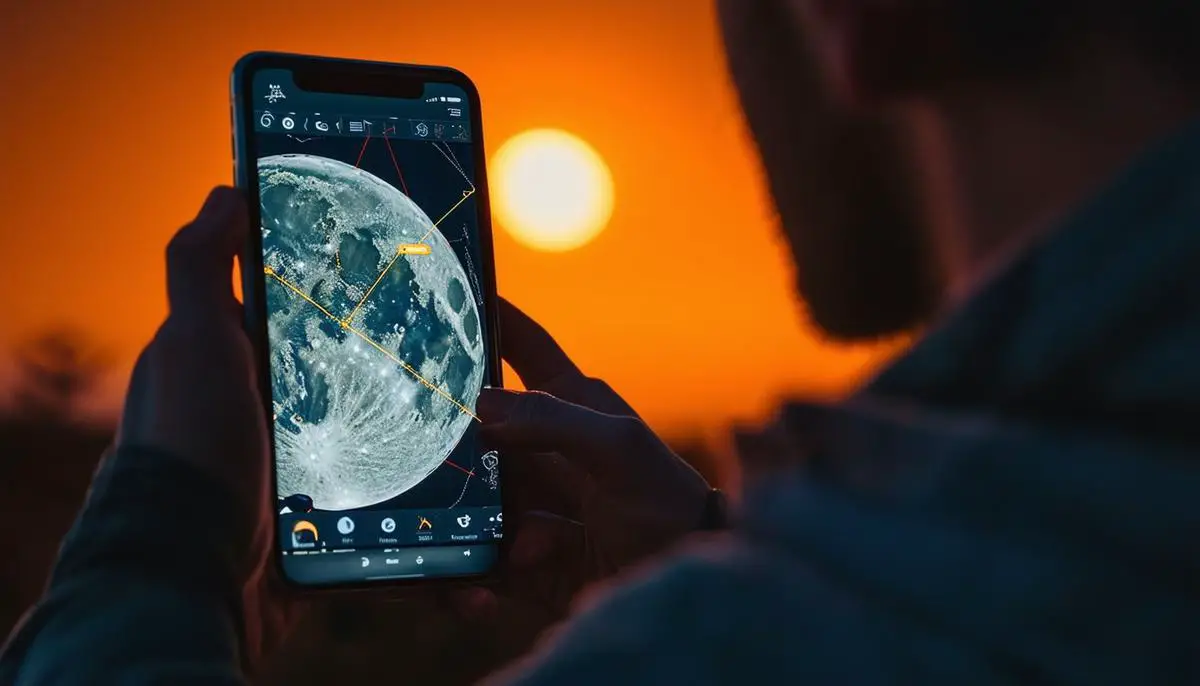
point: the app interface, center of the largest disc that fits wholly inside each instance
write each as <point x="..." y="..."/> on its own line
<point x="377" y="334"/>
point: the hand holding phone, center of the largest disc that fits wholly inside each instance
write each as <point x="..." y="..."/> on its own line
<point x="599" y="491"/>
<point x="198" y="373"/>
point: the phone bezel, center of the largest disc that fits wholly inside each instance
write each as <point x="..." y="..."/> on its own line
<point x="347" y="71"/>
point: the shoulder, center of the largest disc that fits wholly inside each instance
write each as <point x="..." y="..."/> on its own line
<point x="722" y="611"/>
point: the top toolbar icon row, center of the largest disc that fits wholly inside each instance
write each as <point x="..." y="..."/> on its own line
<point x="306" y="123"/>
<point x="316" y="124"/>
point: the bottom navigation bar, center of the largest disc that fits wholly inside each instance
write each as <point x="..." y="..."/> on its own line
<point x="340" y="566"/>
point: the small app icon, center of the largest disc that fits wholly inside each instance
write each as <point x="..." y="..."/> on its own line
<point x="420" y="560"/>
<point x="288" y="123"/>
<point x="356" y="126"/>
<point x="464" y="521"/>
<point x="321" y="126"/>
<point x="274" y="94"/>
<point x="366" y="561"/>
<point x="422" y="129"/>
<point x="304" y="533"/>
<point x="423" y="524"/>
<point x="388" y="525"/>
<point x="467" y="553"/>
<point x="490" y="459"/>
<point x="266" y="120"/>
<point x="345" y="525"/>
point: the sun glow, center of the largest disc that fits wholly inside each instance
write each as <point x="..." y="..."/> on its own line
<point x="551" y="190"/>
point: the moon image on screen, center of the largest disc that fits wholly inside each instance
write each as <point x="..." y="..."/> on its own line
<point x="376" y="352"/>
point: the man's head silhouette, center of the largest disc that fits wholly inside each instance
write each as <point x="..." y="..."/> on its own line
<point x="843" y="96"/>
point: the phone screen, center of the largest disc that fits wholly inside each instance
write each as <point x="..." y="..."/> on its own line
<point x="374" y="278"/>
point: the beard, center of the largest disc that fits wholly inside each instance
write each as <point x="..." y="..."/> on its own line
<point x="843" y="183"/>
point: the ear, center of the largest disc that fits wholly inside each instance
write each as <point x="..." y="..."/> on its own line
<point x="874" y="51"/>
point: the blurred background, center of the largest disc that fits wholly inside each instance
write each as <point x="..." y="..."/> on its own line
<point x="115" y="123"/>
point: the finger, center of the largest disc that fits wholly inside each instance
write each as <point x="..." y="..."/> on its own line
<point x="542" y="536"/>
<point x="533" y="353"/>
<point x="543" y="481"/>
<point x="543" y="365"/>
<point x="135" y="409"/>
<point x="592" y="393"/>
<point x="476" y="604"/>
<point x="200" y="256"/>
<point x="538" y="422"/>
<point x="545" y="564"/>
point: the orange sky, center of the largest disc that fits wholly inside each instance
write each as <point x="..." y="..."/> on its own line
<point x="115" y="122"/>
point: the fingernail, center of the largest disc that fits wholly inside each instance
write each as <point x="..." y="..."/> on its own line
<point x="495" y="404"/>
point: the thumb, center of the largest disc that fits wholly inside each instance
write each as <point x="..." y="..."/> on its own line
<point x="200" y="256"/>
<point x="536" y="422"/>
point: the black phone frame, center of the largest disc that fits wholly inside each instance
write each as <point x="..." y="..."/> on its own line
<point x="360" y="77"/>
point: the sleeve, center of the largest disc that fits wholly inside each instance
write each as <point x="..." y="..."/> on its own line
<point x="722" y="614"/>
<point x="147" y="585"/>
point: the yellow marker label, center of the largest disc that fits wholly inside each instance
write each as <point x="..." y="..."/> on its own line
<point x="413" y="249"/>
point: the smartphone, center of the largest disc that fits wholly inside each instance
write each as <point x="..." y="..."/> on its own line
<point x="370" y="294"/>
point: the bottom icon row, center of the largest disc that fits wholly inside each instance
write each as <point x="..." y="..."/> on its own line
<point x="419" y="559"/>
<point x="323" y="566"/>
<point x="388" y="525"/>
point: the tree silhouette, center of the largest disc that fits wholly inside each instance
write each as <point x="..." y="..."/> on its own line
<point x="47" y="458"/>
<point x="55" y="370"/>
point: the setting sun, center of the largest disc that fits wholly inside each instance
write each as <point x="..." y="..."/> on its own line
<point x="551" y="190"/>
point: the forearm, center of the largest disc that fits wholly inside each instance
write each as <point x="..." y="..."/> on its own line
<point x="147" y="586"/>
